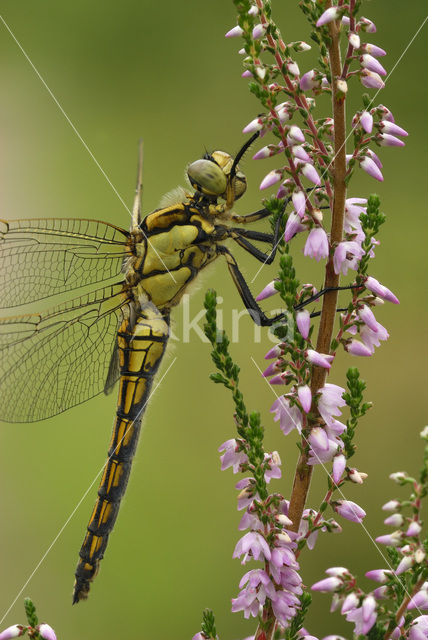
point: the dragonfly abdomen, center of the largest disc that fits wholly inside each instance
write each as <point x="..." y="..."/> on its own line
<point x="140" y="352"/>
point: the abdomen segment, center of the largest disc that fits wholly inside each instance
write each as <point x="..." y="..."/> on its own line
<point x="140" y="352"/>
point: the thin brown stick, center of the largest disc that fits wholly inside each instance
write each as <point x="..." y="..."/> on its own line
<point x="303" y="472"/>
<point x="302" y="478"/>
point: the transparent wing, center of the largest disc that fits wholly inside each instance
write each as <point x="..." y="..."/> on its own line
<point x="56" y="359"/>
<point x="49" y="256"/>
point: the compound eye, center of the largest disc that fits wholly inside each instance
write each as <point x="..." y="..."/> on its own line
<point x="207" y="177"/>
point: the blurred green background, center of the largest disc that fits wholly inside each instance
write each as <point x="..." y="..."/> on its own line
<point x="164" y="72"/>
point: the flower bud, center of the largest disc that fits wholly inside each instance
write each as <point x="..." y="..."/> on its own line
<point x="330" y="14"/>
<point x="235" y="32"/>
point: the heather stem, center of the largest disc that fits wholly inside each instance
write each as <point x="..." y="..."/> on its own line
<point x="404" y="604"/>
<point x="303" y="472"/>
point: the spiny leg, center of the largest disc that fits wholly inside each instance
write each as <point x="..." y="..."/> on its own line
<point x="247" y="297"/>
<point x="323" y="292"/>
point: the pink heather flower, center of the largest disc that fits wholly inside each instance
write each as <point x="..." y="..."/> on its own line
<point x="386" y="140"/>
<point x="353" y="209"/>
<point x="366" y="121"/>
<point x="319" y="359"/>
<point x="367" y="316"/>
<point x="333" y="13"/>
<point x="371" y="80"/>
<point x="391" y="505"/>
<point x="293" y="226"/>
<point x="275" y="352"/>
<point x="379" y="575"/>
<point x="419" y="629"/>
<point x="327" y="584"/>
<point x="329" y="401"/>
<point x="373" y="50"/>
<point x="258" y="31"/>
<point x="284" y="606"/>
<point x="246" y="74"/>
<point x="380" y="290"/>
<point x="414" y="529"/>
<point x="350" y="511"/>
<point x="303" y="321"/>
<point x="270" y="179"/>
<point x="390" y="127"/>
<point x="369" y="166"/>
<point x="406" y="563"/>
<point x="305" y="397"/>
<point x="254" y="594"/>
<point x="321" y="455"/>
<point x="339" y="464"/>
<point x="356" y="476"/>
<point x="395" y="520"/>
<point x="347" y="256"/>
<point x="367" y="25"/>
<point x="250" y="521"/>
<point x="340" y="572"/>
<point x="199" y="636"/>
<point x="252" y="544"/>
<point x="357" y="348"/>
<point x="274" y="367"/>
<point x="351" y="602"/>
<point x="371" y="154"/>
<point x="235" y="32"/>
<point x="293" y="68"/>
<point x="254" y="125"/>
<point x="296" y="134"/>
<point x="289" y="416"/>
<point x="273" y="470"/>
<point x="46" y="631"/>
<point x="299" y="152"/>
<point x="264" y="152"/>
<point x="232" y="457"/>
<point x="317" y="244"/>
<point x="354" y="40"/>
<point x="309" y="80"/>
<point x="12" y="632"/>
<point x="370" y="63"/>
<point x="419" y="600"/>
<point x="311" y="173"/>
<point x="364" y="617"/>
<point x="371" y="339"/>
<point x="299" y="202"/>
<point x="392" y="539"/>
<point x="318" y="439"/>
<point x="268" y="291"/>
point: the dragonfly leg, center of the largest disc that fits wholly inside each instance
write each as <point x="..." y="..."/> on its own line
<point x="250" y="303"/>
<point x="323" y="292"/>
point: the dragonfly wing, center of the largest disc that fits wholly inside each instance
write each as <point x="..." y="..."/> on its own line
<point x="45" y="257"/>
<point x="113" y="373"/>
<point x="54" y="360"/>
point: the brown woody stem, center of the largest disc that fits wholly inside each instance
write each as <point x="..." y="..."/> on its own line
<point x="303" y="472"/>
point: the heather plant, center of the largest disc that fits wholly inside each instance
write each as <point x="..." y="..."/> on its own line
<point x="318" y="153"/>
<point x="33" y="629"/>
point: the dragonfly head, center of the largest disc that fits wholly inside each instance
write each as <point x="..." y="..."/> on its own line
<point x="212" y="175"/>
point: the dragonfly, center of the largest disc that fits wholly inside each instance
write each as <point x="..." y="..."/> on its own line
<point x="123" y="286"/>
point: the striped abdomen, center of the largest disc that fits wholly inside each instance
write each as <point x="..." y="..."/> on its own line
<point x="140" y="353"/>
